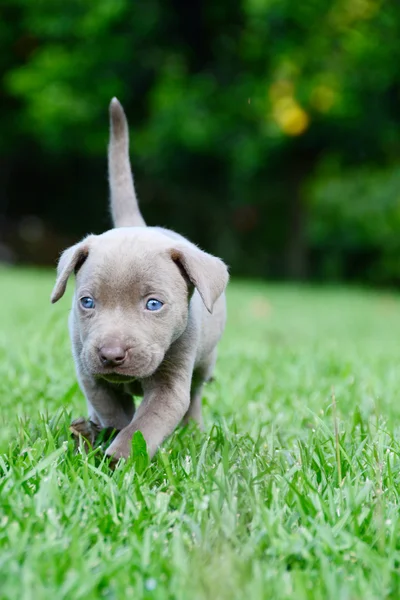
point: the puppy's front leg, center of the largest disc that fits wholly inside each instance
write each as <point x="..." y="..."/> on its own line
<point x="164" y="404"/>
<point x="109" y="405"/>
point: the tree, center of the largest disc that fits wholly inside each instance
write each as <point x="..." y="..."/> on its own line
<point x="237" y="112"/>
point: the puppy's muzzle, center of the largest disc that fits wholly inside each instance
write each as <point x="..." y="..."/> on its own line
<point x="113" y="355"/>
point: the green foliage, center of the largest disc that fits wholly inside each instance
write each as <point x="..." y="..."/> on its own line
<point x="270" y="502"/>
<point x="358" y="211"/>
<point x="236" y="108"/>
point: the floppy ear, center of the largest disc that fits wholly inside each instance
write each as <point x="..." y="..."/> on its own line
<point x="71" y="260"/>
<point x="207" y="273"/>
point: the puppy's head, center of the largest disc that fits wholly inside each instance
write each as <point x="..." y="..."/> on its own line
<point x="131" y="301"/>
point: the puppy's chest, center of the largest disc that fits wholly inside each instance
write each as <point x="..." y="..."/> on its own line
<point x="134" y="388"/>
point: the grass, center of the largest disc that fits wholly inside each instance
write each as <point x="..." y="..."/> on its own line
<point x="292" y="492"/>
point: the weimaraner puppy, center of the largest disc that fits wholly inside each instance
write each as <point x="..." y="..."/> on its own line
<point x="147" y="314"/>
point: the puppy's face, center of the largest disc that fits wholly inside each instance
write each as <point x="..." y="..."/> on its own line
<point x="131" y="304"/>
<point x="132" y="296"/>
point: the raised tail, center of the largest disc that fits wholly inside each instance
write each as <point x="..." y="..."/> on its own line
<point x="124" y="205"/>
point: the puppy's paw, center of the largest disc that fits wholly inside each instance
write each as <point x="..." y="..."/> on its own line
<point x="84" y="433"/>
<point x="120" y="447"/>
<point x="89" y="435"/>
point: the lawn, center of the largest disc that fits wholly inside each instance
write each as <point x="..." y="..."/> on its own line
<point x="269" y="503"/>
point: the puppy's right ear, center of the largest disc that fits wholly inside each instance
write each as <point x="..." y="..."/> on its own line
<point x="71" y="260"/>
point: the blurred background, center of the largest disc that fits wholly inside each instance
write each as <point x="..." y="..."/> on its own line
<point x="267" y="131"/>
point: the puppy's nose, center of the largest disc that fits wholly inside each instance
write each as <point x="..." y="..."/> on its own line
<point x="112" y="356"/>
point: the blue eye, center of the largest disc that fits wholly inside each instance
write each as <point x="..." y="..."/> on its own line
<point x="154" y="304"/>
<point x="87" y="302"/>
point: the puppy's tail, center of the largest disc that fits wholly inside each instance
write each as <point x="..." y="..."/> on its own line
<point x="124" y="205"/>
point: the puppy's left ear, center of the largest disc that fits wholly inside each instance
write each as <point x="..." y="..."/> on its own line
<point x="207" y="273"/>
<point x="71" y="260"/>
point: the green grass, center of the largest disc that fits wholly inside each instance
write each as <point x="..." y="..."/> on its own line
<point x="268" y="503"/>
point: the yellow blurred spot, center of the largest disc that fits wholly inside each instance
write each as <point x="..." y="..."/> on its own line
<point x="323" y="98"/>
<point x="290" y="116"/>
<point x="280" y="89"/>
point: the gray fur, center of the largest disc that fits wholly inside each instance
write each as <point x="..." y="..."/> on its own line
<point x="121" y="349"/>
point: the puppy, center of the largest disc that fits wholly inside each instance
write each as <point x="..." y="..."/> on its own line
<point x="147" y="314"/>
